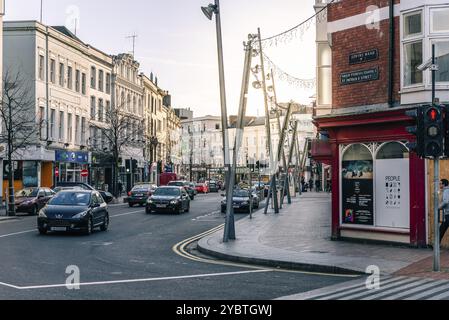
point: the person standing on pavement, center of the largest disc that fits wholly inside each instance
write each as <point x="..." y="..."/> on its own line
<point x="311" y="185"/>
<point x="444" y="185"/>
<point x="120" y="188"/>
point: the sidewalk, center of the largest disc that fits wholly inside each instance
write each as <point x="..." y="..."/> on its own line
<point x="300" y="238"/>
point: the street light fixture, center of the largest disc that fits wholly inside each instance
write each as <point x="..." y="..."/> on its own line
<point x="210" y="10"/>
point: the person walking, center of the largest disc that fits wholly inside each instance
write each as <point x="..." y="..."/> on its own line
<point x="311" y="185"/>
<point x="120" y="188"/>
<point x="444" y="186"/>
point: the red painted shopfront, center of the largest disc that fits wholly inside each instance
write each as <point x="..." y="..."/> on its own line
<point x="396" y="211"/>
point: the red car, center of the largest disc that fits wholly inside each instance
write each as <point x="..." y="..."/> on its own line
<point x="202" y="188"/>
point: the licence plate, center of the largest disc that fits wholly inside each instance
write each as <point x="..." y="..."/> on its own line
<point x="236" y="207"/>
<point x="161" y="206"/>
<point x="58" y="229"/>
<point x="139" y="195"/>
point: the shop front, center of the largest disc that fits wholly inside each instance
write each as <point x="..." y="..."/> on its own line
<point x="378" y="185"/>
<point x="71" y="166"/>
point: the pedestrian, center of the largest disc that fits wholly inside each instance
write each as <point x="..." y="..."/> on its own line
<point x="120" y="188"/>
<point x="317" y="185"/>
<point x="303" y="184"/>
<point x="311" y="184"/>
<point x="444" y="186"/>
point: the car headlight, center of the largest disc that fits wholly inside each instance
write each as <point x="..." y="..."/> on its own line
<point x="150" y="201"/>
<point x="42" y="214"/>
<point x="80" y="215"/>
<point x="245" y="203"/>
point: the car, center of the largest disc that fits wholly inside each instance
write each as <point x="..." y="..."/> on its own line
<point x="213" y="187"/>
<point x="202" y="188"/>
<point x="77" y="210"/>
<point x="169" y="199"/>
<point x="186" y="186"/>
<point x="31" y="200"/>
<point x="193" y="186"/>
<point x="59" y="189"/>
<point x="241" y="199"/>
<point x="140" y="194"/>
<point x="107" y="196"/>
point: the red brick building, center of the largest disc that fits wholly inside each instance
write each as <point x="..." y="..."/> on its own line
<point x="379" y="187"/>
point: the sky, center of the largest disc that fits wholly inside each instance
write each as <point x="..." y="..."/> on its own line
<point x="178" y="43"/>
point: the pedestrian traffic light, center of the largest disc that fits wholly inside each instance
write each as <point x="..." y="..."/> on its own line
<point x="445" y="111"/>
<point x="417" y="130"/>
<point x="433" y="131"/>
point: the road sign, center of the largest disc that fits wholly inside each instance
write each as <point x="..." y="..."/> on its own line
<point x="84" y="173"/>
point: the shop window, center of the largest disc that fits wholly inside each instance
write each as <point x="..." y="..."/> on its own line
<point x="392" y="150"/>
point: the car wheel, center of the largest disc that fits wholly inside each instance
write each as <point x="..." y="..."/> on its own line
<point x="90" y="227"/>
<point x="105" y="225"/>
<point x="188" y="208"/>
<point x="131" y="205"/>
<point x="43" y="231"/>
<point x="147" y="210"/>
<point x="180" y="210"/>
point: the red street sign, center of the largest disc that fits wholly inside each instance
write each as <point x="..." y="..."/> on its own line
<point x="57" y="172"/>
<point x="84" y="173"/>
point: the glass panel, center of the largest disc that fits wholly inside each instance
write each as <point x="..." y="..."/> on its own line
<point x="442" y="53"/>
<point x="324" y="85"/>
<point x="412" y="24"/>
<point x="392" y="150"/>
<point x="413" y="58"/>
<point x="440" y="19"/>
<point x="357" y="152"/>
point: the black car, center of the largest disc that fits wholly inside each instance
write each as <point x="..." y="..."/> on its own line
<point x="213" y="187"/>
<point x="169" y="199"/>
<point x="74" y="211"/>
<point x="241" y="199"/>
<point x="140" y="194"/>
<point x="107" y="196"/>
<point x="186" y="185"/>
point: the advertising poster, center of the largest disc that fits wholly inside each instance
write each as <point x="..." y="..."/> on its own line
<point x="357" y="192"/>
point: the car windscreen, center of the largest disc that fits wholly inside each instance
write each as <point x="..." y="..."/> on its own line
<point x="167" y="192"/>
<point x="177" y="184"/>
<point x="241" y="194"/>
<point x="141" y="188"/>
<point x="71" y="199"/>
<point x="27" y="193"/>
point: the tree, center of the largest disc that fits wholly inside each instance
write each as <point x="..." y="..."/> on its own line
<point x="119" y="129"/>
<point x="20" y="126"/>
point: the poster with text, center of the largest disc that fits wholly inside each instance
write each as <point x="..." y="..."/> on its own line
<point x="357" y="192"/>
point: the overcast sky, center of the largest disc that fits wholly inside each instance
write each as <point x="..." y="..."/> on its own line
<point x="178" y="44"/>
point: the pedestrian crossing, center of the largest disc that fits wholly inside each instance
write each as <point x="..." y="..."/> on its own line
<point x="391" y="288"/>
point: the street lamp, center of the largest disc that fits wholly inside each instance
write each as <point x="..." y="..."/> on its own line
<point x="229" y="231"/>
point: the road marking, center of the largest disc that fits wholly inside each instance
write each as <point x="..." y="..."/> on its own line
<point x="17" y="233"/>
<point x="127" y="213"/>
<point x="180" y="249"/>
<point x="98" y="283"/>
<point x="206" y="215"/>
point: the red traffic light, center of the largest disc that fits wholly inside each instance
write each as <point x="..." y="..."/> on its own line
<point x="433" y="114"/>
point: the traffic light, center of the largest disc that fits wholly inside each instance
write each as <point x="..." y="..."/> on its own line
<point x="417" y="130"/>
<point x="433" y="131"/>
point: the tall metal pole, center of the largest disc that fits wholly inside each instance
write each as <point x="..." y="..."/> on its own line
<point x="436" y="177"/>
<point x="290" y="154"/>
<point x="273" y="188"/>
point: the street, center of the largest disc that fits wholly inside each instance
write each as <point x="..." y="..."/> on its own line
<point x="136" y="259"/>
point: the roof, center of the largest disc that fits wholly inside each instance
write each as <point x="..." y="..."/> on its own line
<point x="67" y="32"/>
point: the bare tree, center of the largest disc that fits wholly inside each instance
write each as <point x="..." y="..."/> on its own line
<point x="119" y="129"/>
<point x="20" y="127"/>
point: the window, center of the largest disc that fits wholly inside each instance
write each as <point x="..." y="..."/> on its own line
<point x="77" y="80"/>
<point x="128" y="103"/>
<point x="69" y="127"/>
<point x="93" y="136"/>
<point x="324" y="74"/>
<point x="217" y="126"/>
<point x="100" y="80"/>
<point x="93" y="110"/>
<point x="53" y="71"/>
<point x="392" y="150"/>
<point x="439" y="20"/>
<point x="83" y="131"/>
<point x="61" y="74"/>
<point x="77" y="129"/>
<point x="412" y="24"/>
<point x="108" y="83"/>
<point x="100" y="110"/>
<point x="413" y="55"/>
<point x="93" y="77"/>
<point x="69" y="77"/>
<point x="134" y="105"/>
<point x="108" y="112"/>
<point x="61" y="126"/>
<point x="83" y="83"/>
<point x="41" y="121"/>
<point x="41" y="67"/>
<point x="442" y="53"/>
<point x="52" y="124"/>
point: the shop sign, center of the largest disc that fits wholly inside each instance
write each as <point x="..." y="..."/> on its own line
<point x="359" y="76"/>
<point x="357" y="179"/>
<point x="362" y="57"/>
<point x="72" y="156"/>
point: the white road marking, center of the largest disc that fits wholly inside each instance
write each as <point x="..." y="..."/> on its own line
<point x="17" y="233"/>
<point x="127" y="213"/>
<point x="134" y="280"/>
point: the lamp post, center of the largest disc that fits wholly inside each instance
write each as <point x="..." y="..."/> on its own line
<point x="209" y="11"/>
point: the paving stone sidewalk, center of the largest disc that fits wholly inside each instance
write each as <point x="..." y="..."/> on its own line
<point x="300" y="237"/>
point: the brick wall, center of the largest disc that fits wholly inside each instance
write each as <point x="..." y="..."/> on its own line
<point x="348" y="8"/>
<point x="361" y="39"/>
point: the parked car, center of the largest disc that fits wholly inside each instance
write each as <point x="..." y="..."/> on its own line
<point x="186" y="186"/>
<point x="107" y="196"/>
<point x="74" y="211"/>
<point x="193" y="186"/>
<point x="213" y="187"/>
<point x="31" y="200"/>
<point x="140" y="194"/>
<point x="241" y="199"/>
<point x="202" y="188"/>
<point x="169" y="199"/>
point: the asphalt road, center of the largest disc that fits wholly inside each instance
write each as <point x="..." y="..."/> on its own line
<point x="135" y="260"/>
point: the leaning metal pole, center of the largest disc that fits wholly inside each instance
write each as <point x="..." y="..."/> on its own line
<point x="273" y="188"/>
<point x="229" y="232"/>
<point x="290" y="154"/>
<point x="281" y="151"/>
